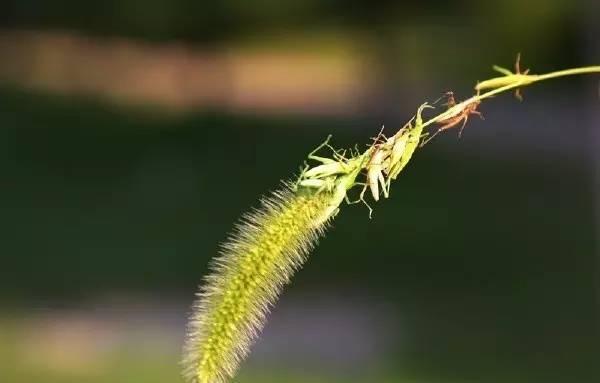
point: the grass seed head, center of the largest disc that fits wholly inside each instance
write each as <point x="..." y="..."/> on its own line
<point x="257" y="260"/>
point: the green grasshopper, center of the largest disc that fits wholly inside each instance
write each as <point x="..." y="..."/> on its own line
<point x="405" y="142"/>
<point x="522" y="78"/>
<point x="336" y="176"/>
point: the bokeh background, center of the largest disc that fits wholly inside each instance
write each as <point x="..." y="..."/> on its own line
<point x="134" y="133"/>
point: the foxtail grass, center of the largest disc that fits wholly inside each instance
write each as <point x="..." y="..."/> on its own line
<point x="274" y="240"/>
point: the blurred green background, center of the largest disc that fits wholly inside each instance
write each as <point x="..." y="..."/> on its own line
<point x="133" y="135"/>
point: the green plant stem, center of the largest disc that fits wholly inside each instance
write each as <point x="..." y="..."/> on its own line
<point x="569" y="72"/>
<point x="525" y="81"/>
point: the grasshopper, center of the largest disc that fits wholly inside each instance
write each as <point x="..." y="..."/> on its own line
<point x="405" y="144"/>
<point x="522" y="78"/>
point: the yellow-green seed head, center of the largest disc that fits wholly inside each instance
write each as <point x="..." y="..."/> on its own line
<point x="255" y="263"/>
